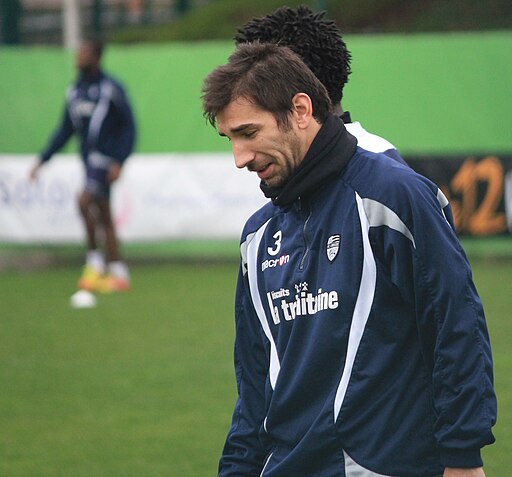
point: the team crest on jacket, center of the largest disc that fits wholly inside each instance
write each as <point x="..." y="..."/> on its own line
<point x="333" y="246"/>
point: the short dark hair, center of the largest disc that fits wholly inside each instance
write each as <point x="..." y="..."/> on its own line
<point x="267" y="75"/>
<point x="316" y="39"/>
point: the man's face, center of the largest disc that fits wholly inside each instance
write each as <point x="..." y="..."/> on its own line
<point x="259" y="144"/>
<point x="86" y="59"/>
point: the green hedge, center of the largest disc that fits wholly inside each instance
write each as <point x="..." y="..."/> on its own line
<point x="218" y="19"/>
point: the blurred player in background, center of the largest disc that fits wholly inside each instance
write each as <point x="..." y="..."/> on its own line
<point x="319" y="43"/>
<point x="98" y="111"/>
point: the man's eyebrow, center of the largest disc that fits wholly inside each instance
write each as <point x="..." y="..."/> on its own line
<point x="238" y="129"/>
<point x="241" y="127"/>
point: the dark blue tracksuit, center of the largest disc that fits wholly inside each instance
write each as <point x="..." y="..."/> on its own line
<point x="361" y="344"/>
<point x="97" y="110"/>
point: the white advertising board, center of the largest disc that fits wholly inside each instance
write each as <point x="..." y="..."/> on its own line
<point x="158" y="197"/>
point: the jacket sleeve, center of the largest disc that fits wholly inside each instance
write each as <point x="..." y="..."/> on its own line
<point x="60" y="137"/>
<point x="244" y="453"/>
<point x="437" y="280"/>
<point x="126" y="125"/>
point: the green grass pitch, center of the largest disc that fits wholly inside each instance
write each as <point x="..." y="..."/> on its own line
<point x="143" y="385"/>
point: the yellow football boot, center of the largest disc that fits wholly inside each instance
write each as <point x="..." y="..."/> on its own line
<point x="90" y="279"/>
<point x="111" y="284"/>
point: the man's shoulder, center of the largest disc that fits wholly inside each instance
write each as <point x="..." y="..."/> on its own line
<point x="113" y="83"/>
<point x="378" y="174"/>
<point x="259" y="219"/>
<point x="368" y="140"/>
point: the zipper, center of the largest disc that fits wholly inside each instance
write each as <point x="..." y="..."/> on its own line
<point x="305" y="237"/>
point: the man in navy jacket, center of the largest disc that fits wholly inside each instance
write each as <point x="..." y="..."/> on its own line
<point x="97" y="110"/>
<point x="361" y="343"/>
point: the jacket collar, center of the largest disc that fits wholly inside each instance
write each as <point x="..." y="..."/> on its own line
<point x="327" y="156"/>
<point x="345" y="117"/>
<point x="95" y="77"/>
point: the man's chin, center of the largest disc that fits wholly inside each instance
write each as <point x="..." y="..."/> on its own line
<point x="274" y="183"/>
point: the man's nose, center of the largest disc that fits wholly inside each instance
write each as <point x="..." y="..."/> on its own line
<point x="242" y="154"/>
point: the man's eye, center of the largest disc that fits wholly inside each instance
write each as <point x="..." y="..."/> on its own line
<point x="249" y="134"/>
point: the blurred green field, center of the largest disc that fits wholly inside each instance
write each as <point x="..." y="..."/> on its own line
<point x="143" y="385"/>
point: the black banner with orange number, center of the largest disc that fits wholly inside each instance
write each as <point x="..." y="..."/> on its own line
<point x="478" y="188"/>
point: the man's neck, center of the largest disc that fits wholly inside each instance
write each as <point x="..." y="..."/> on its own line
<point x="90" y="74"/>
<point x="309" y="137"/>
<point x="337" y="110"/>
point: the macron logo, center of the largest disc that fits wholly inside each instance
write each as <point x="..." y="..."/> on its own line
<point x="275" y="262"/>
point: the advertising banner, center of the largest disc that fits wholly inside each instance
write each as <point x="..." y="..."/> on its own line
<point x="204" y="196"/>
<point x="158" y="197"/>
<point x="479" y="189"/>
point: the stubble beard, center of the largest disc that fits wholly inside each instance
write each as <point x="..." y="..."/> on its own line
<point x="290" y="165"/>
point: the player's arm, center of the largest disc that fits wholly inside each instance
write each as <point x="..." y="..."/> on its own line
<point x="244" y="454"/>
<point x="123" y="140"/>
<point x="58" y="139"/>
<point x="126" y="124"/>
<point x="433" y="273"/>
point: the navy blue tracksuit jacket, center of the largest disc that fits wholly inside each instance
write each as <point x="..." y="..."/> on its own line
<point x="361" y="344"/>
<point x="97" y="110"/>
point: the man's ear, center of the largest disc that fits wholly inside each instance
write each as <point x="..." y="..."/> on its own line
<point x="302" y="110"/>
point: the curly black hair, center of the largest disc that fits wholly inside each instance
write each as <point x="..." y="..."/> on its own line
<point x="315" y="39"/>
